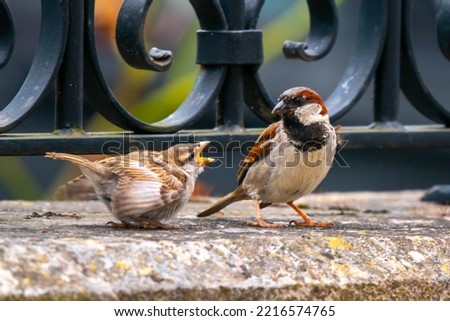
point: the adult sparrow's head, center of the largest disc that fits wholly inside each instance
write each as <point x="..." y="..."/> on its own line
<point x="303" y="104"/>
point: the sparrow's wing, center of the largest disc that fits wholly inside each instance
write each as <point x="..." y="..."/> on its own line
<point x="77" y="189"/>
<point x="142" y="189"/>
<point x="260" y="149"/>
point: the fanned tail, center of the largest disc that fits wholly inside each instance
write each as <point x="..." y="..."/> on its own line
<point x="95" y="172"/>
<point x="78" y="160"/>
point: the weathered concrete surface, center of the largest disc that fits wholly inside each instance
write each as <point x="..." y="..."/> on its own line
<point x="386" y="246"/>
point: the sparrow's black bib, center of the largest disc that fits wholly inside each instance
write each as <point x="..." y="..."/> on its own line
<point x="304" y="138"/>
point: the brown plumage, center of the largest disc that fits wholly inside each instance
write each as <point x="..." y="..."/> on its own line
<point x="288" y="160"/>
<point x="142" y="188"/>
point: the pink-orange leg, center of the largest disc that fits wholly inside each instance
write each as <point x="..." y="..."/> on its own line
<point x="307" y="221"/>
<point x="260" y="221"/>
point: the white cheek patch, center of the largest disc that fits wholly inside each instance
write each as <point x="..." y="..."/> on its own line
<point x="310" y="114"/>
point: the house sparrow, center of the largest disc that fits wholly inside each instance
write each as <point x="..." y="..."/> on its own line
<point x="289" y="159"/>
<point x="141" y="188"/>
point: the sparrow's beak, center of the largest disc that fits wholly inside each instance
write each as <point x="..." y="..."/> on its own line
<point x="278" y="109"/>
<point x="203" y="160"/>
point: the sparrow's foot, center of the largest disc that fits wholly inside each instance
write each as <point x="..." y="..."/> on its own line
<point x="151" y="225"/>
<point x="311" y="223"/>
<point x="307" y="221"/>
<point x="264" y="224"/>
<point x="148" y="224"/>
<point x="117" y="225"/>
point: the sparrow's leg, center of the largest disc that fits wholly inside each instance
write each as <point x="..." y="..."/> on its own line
<point x="259" y="220"/>
<point x="307" y="221"/>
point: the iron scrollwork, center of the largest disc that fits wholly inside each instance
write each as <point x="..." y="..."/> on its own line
<point x="412" y="83"/>
<point x="6" y="34"/>
<point x="442" y="9"/>
<point x="130" y="38"/>
<point x="45" y="66"/>
<point x="324" y="28"/>
<point x="229" y="54"/>
<point x="202" y="95"/>
<point x="359" y="71"/>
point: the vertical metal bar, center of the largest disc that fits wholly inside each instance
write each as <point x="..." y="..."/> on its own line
<point x="230" y="112"/>
<point x="387" y="79"/>
<point x="69" y="85"/>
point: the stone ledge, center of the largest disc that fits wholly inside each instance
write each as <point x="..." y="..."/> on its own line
<point x="384" y="246"/>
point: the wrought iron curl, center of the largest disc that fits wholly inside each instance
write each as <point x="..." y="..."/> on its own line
<point x="7" y="34"/>
<point x="255" y="94"/>
<point x="322" y="35"/>
<point x="359" y="70"/>
<point x="442" y="9"/>
<point x="202" y="95"/>
<point x="412" y="84"/>
<point x="45" y="65"/>
<point x="130" y="38"/>
<point x="364" y="60"/>
<point x="323" y="31"/>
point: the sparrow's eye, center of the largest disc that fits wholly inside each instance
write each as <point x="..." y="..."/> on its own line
<point x="299" y="100"/>
<point x="191" y="156"/>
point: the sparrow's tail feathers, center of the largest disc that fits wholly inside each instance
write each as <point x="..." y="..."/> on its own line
<point x="232" y="197"/>
<point x="91" y="169"/>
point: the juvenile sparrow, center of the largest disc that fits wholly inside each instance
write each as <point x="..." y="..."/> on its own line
<point x="289" y="159"/>
<point x="141" y="188"/>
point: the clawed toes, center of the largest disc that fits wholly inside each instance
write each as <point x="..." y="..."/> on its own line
<point x="148" y="225"/>
<point x="116" y="225"/>
<point x="311" y="223"/>
<point x="264" y="224"/>
<point x="159" y="225"/>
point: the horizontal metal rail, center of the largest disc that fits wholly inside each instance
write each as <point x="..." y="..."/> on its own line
<point x="410" y="137"/>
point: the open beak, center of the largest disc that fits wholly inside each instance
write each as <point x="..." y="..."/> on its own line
<point x="278" y="109"/>
<point x="203" y="160"/>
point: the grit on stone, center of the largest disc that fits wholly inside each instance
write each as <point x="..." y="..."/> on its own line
<point x="384" y="246"/>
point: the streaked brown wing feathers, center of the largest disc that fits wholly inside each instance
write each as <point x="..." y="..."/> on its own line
<point x="260" y="149"/>
<point x="141" y="189"/>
